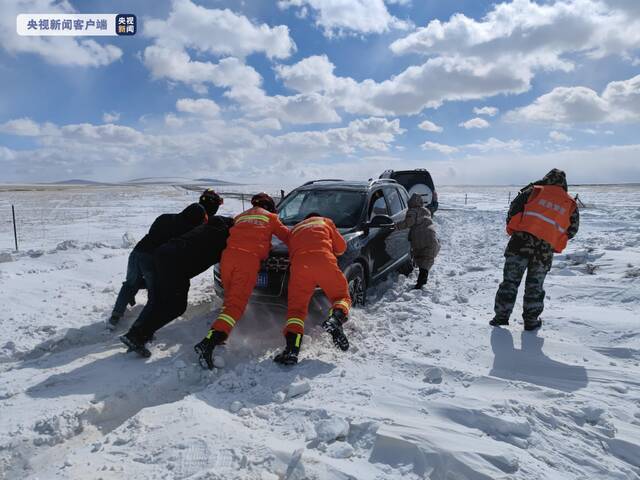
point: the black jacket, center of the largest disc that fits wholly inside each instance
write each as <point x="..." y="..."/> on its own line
<point x="194" y="252"/>
<point x="170" y="225"/>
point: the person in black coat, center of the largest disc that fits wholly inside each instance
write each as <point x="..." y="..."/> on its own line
<point x="176" y="262"/>
<point x="140" y="268"/>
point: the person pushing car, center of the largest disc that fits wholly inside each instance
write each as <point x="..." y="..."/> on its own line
<point x="314" y="245"/>
<point x="249" y="243"/>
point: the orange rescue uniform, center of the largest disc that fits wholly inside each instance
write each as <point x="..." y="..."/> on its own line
<point x="248" y="244"/>
<point x="546" y="215"/>
<point x="314" y="245"/>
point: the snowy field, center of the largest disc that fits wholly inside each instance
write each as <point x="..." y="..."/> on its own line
<point x="428" y="389"/>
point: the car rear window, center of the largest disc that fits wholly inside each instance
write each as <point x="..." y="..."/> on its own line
<point x="409" y="179"/>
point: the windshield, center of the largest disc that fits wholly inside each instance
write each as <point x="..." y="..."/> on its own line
<point x="344" y="207"/>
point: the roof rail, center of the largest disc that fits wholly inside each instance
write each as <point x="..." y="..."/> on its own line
<point x="323" y="180"/>
<point x="382" y="180"/>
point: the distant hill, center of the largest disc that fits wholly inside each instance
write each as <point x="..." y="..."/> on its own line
<point x="177" y="181"/>
<point x="78" y="181"/>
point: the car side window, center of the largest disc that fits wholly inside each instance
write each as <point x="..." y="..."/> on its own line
<point x="378" y="205"/>
<point x="393" y="198"/>
<point x="405" y="197"/>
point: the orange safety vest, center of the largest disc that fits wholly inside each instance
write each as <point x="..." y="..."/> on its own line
<point x="546" y="215"/>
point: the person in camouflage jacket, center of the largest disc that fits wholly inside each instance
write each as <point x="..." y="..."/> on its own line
<point x="425" y="245"/>
<point x="525" y="252"/>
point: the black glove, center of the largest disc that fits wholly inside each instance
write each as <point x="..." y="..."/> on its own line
<point x="204" y="349"/>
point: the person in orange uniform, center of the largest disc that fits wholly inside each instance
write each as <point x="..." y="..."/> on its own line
<point x="314" y="245"/>
<point x="248" y="244"/>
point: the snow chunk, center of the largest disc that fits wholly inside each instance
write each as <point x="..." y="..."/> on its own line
<point x="340" y="450"/>
<point x="298" y="388"/>
<point x="433" y="375"/>
<point x="218" y="361"/>
<point x="128" y="240"/>
<point x="332" y="429"/>
<point x="235" y="406"/>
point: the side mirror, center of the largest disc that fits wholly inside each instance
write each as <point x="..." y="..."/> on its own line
<point x="382" y="221"/>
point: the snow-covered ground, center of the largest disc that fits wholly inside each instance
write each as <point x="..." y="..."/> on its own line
<point x="428" y="389"/>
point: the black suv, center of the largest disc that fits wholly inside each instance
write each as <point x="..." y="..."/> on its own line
<point x="364" y="212"/>
<point x="416" y="181"/>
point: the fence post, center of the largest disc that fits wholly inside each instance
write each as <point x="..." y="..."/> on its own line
<point x="465" y="198"/>
<point x="242" y="198"/>
<point x="15" y="231"/>
<point x="281" y="194"/>
<point x="509" y="201"/>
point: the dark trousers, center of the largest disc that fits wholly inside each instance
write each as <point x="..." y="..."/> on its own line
<point x="533" y="302"/>
<point x="423" y="276"/>
<point x="140" y="273"/>
<point x="169" y="301"/>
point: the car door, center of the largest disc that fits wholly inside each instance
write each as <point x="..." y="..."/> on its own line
<point x="397" y="241"/>
<point x="378" y="246"/>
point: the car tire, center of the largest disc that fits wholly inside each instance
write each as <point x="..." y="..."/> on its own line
<point x="406" y="268"/>
<point x="357" y="284"/>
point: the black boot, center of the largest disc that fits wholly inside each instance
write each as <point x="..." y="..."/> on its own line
<point x="423" y="276"/>
<point x="333" y="326"/>
<point x="204" y="349"/>
<point x="530" y="325"/>
<point x="135" y="344"/>
<point x="497" y="322"/>
<point x="113" y="321"/>
<point x="289" y="356"/>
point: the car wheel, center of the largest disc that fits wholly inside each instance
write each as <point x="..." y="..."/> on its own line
<point x="406" y="268"/>
<point x="357" y="284"/>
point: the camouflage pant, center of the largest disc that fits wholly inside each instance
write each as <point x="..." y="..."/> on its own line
<point x="514" y="268"/>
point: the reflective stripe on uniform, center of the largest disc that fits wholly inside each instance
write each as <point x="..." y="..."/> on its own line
<point x="298" y="339"/>
<point x="227" y="319"/>
<point x="545" y="219"/>
<point x="302" y="226"/>
<point x="343" y="303"/>
<point x="295" y="321"/>
<point x="248" y="218"/>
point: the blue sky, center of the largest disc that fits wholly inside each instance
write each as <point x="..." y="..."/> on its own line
<point x="476" y="92"/>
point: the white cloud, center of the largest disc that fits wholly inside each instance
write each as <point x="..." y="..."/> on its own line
<point x="502" y="52"/>
<point x="110" y="117"/>
<point x="539" y="35"/>
<point x="439" y="147"/>
<point x="474" y="123"/>
<point x="490" y="145"/>
<point x="374" y="134"/>
<point x="559" y="136"/>
<point x="187" y="144"/>
<point x="581" y="165"/>
<point x="428" y="126"/>
<point x="67" y="51"/>
<point x="217" y="32"/>
<point x="24" y="127"/>
<point x="203" y="107"/>
<point x="488" y="111"/>
<point x="350" y="16"/>
<point x="493" y="144"/>
<point x="405" y="94"/>
<point x="620" y="102"/>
